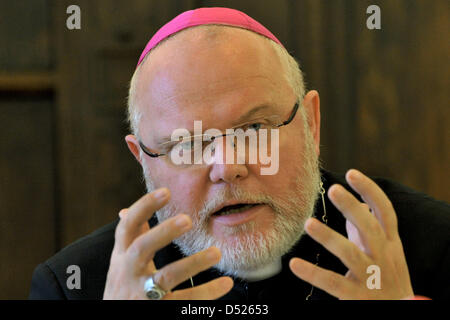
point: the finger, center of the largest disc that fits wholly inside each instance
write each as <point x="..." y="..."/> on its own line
<point x="143" y="249"/>
<point x="211" y="290"/>
<point x="175" y="273"/>
<point x="365" y="206"/>
<point x="368" y="226"/>
<point x="350" y="255"/>
<point x="139" y="213"/>
<point x="333" y="283"/>
<point x="143" y="227"/>
<point x="374" y="196"/>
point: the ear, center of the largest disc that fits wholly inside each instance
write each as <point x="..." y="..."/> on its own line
<point x="311" y="102"/>
<point x="133" y="145"/>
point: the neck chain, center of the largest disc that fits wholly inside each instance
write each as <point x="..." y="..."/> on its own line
<point x="325" y="220"/>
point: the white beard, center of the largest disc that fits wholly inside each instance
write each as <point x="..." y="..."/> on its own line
<point x="245" y="248"/>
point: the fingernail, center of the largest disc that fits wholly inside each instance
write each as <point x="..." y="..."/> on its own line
<point x="212" y="254"/>
<point x="182" y="221"/>
<point x="227" y="282"/>
<point x="122" y="213"/>
<point x="160" y="194"/>
<point x="311" y="224"/>
<point x="355" y="174"/>
<point x="297" y="265"/>
<point x="336" y="189"/>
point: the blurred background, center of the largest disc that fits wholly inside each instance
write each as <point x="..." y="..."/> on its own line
<point x="65" y="169"/>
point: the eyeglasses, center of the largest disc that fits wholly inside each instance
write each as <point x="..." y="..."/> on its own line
<point x="195" y="145"/>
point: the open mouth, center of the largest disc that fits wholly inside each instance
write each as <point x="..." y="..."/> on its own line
<point x="236" y="208"/>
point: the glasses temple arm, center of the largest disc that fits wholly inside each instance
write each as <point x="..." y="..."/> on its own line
<point x="293" y="113"/>
<point x="149" y="153"/>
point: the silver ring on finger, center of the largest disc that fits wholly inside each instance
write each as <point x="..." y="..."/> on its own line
<point x="152" y="290"/>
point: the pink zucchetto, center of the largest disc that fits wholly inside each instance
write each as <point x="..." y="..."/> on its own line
<point x="203" y="16"/>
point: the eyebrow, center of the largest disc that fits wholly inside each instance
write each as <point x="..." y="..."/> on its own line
<point x="245" y="117"/>
<point x="250" y="114"/>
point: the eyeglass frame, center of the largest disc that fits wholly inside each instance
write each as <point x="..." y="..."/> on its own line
<point x="284" y="123"/>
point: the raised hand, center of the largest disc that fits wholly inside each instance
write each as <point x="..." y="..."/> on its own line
<point x="136" y="245"/>
<point x="373" y="241"/>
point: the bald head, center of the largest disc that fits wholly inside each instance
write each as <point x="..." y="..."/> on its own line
<point x="203" y="62"/>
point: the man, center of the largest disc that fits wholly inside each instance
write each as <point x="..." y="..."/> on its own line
<point x="217" y="227"/>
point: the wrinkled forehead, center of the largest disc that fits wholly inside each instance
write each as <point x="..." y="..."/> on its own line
<point x="214" y="76"/>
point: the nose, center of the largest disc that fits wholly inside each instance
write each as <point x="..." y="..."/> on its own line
<point x="222" y="169"/>
<point x="230" y="173"/>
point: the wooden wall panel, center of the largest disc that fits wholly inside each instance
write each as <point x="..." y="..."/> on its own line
<point x="26" y="191"/>
<point x="377" y="87"/>
<point x="320" y="35"/>
<point x="402" y="94"/>
<point x="28" y="194"/>
<point x="95" y="64"/>
<point x="25" y="37"/>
